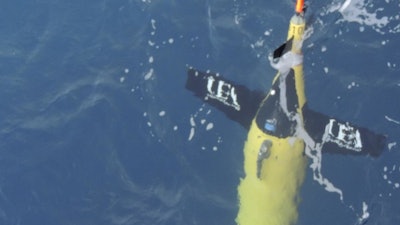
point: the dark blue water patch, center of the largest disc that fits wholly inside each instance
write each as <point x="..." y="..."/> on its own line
<point x="24" y="24"/>
<point x="383" y="211"/>
<point x="63" y="163"/>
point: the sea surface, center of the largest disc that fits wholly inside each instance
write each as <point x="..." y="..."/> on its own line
<point x="96" y="126"/>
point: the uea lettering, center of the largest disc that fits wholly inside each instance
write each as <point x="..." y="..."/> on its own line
<point x="223" y="92"/>
<point x="344" y="135"/>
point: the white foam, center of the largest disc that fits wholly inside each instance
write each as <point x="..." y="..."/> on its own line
<point x="313" y="150"/>
<point x="267" y="33"/>
<point x="345" y="5"/>
<point x="392" y="120"/>
<point x="358" y="11"/>
<point x="153" y="24"/>
<point x="316" y="156"/>
<point x="237" y="19"/>
<point x="391" y="145"/>
<point x="365" y="214"/>
<point x="191" y="135"/>
<point x="286" y="62"/>
<point x="209" y="126"/>
<point x="192" y="123"/>
<point x="259" y="43"/>
<point x="149" y="74"/>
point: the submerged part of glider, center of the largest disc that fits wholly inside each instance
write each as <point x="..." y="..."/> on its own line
<point x="268" y="194"/>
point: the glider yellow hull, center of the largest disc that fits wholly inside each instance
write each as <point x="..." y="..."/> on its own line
<point x="271" y="199"/>
<point x="268" y="195"/>
<point x="278" y="123"/>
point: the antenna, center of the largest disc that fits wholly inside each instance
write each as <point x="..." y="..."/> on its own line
<point x="299" y="6"/>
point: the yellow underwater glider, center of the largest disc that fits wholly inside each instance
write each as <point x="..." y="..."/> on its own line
<point x="281" y="127"/>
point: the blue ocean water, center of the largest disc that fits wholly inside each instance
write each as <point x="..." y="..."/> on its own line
<point x="97" y="127"/>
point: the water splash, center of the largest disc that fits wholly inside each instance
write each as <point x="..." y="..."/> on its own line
<point x="313" y="150"/>
<point x="365" y="13"/>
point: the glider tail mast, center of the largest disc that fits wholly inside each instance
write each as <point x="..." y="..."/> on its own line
<point x="296" y="33"/>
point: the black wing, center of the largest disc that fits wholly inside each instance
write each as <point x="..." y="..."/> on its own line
<point x="342" y="137"/>
<point x="236" y="101"/>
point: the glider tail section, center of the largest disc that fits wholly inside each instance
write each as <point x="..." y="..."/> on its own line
<point x="240" y="104"/>
<point x="341" y="137"/>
